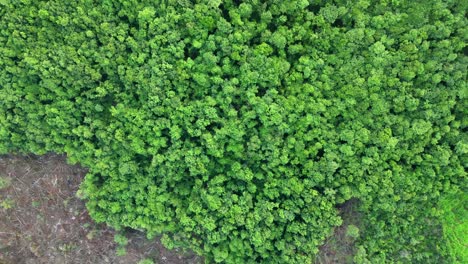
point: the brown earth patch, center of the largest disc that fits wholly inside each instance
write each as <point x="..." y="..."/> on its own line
<point x="42" y="221"/>
<point x="340" y="248"/>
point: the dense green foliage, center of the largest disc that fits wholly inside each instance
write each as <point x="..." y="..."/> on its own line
<point x="454" y="216"/>
<point x="236" y="127"/>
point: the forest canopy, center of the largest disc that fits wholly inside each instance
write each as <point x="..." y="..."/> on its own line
<point x="236" y="128"/>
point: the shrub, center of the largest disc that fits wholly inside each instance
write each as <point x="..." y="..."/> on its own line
<point x="5" y="182"/>
<point x="352" y="231"/>
<point x="453" y="214"/>
<point x="236" y="129"/>
<point x="122" y="242"/>
<point x="146" y="261"/>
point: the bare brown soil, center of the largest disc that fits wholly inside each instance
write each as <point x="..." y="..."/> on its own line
<point x="42" y="221"/>
<point x="340" y="248"/>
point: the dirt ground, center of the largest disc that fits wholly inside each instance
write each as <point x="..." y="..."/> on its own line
<point x="339" y="248"/>
<point x="42" y="221"/>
